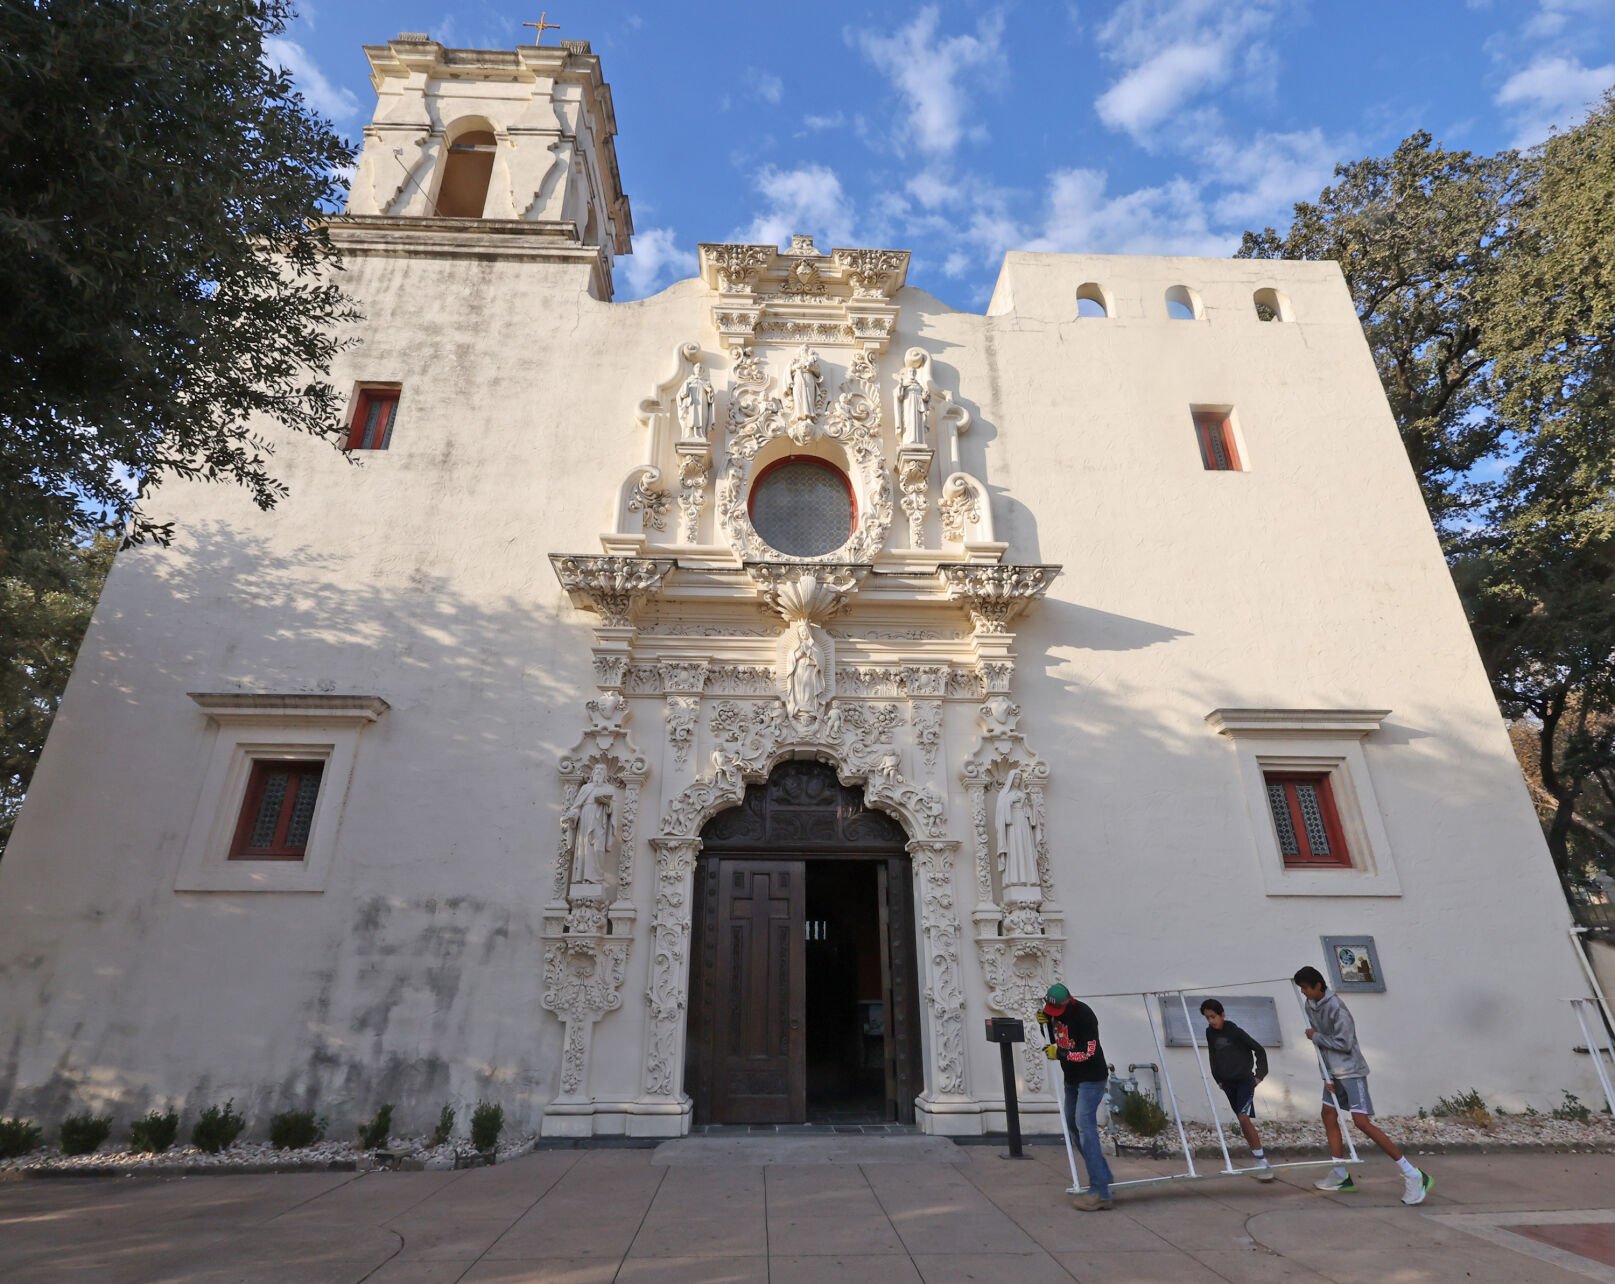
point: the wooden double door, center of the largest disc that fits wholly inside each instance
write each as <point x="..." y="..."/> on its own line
<point x="804" y="1002"/>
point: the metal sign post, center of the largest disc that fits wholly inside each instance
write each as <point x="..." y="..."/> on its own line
<point x="1006" y="1032"/>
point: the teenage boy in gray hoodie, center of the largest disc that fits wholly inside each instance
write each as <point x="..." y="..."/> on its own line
<point x="1334" y="1034"/>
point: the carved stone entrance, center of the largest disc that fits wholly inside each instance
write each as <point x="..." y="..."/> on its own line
<point x="804" y="987"/>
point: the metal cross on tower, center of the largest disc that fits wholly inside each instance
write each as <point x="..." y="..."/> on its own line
<point x="541" y="26"/>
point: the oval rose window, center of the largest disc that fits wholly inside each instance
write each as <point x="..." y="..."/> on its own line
<point x="802" y="507"/>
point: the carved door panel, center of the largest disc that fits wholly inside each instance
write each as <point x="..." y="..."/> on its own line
<point x="759" y="1072"/>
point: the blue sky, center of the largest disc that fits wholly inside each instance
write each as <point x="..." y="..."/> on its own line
<point x="959" y="131"/>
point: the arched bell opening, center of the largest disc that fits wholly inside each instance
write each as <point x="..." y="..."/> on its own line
<point x="804" y="995"/>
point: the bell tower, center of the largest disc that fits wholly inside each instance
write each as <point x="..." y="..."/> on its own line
<point x="509" y="142"/>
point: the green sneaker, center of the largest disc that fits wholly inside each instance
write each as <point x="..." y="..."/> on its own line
<point x="1330" y="1182"/>
<point x="1416" y="1187"/>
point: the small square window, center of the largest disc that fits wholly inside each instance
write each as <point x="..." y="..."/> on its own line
<point x="1215" y="430"/>
<point x="1305" y="821"/>
<point x="278" y="810"/>
<point x="374" y="409"/>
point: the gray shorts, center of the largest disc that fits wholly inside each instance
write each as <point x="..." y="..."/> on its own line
<point x="1356" y="1089"/>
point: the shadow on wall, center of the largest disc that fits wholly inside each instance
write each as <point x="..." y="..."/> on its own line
<point x="415" y="999"/>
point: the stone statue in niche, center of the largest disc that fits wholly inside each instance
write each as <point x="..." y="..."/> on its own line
<point x="588" y="823"/>
<point x="807" y="385"/>
<point x="1014" y="829"/>
<point x="804" y="675"/>
<point x="911" y="401"/>
<point x="695" y="405"/>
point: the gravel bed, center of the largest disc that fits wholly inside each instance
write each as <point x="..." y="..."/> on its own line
<point x="259" y="1156"/>
<point x="1506" y="1132"/>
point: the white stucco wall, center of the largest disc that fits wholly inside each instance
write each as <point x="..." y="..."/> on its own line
<point x="420" y="574"/>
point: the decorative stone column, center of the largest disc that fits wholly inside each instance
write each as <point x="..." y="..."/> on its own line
<point x="941" y="981"/>
<point x="663" y="1107"/>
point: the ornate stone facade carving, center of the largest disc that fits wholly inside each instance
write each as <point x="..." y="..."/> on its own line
<point x="667" y="994"/>
<point x="649" y="500"/>
<point x="995" y="594"/>
<point x="944" y="985"/>
<point x="1018" y="972"/>
<point x="873" y="274"/>
<point x="737" y="266"/>
<point x="927" y="718"/>
<point x="683" y="711"/>
<point x="740" y="679"/>
<point x="961" y="507"/>
<point x="582" y="982"/>
<point x="611" y="586"/>
<point x="914" y="480"/>
<point x="694" y="468"/>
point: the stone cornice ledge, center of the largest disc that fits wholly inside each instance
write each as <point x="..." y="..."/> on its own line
<point x="1317" y="722"/>
<point x="226" y="705"/>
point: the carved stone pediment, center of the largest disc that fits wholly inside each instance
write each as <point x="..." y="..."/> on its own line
<point x="764" y="269"/>
<point x="611" y="586"/>
<point x="995" y="594"/>
<point x="813" y="593"/>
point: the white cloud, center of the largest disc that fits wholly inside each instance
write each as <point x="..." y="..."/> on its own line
<point x="807" y="199"/>
<point x="1553" y="16"/>
<point x="764" y="84"/>
<point x="1551" y="93"/>
<point x="1174" y="52"/>
<point x="657" y="260"/>
<point x="1168" y="219"/>
<point x="324" y="97"/>
<point x="1150" y="92"/>
<point x="833" y="121"/>
<point x="1268" y="173"/>
<point x="927" y="71"/>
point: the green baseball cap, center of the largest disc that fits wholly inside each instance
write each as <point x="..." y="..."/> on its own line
<point x="1058" y="996"/>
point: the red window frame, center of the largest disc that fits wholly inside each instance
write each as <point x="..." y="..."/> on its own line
<point x="278" y="848"/>
<point x="1214" y="430"/>
<point x="373" y="431"/>
<point x="846" y="483"/>
<point x="1304" y="857"/>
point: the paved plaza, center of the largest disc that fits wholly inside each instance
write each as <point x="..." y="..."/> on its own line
<point x="891" y="1210"/>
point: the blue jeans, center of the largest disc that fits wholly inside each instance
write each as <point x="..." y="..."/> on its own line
<point x="1082" y="1120"/>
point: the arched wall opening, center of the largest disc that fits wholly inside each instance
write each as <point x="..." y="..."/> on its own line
<point x="804" y="991"/>
<point x="467" y="172"/>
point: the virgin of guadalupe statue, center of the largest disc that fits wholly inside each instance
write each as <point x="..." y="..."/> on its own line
<point x="588" y="821"/>
<point x="804" y="674"/>
<point x="695" y="405"/>
<point x="1016" y="835"/>
<point x="806" y="384"/>
<point x="911" y="402"/>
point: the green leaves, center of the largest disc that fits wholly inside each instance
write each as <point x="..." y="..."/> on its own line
<point x="160" y="244"/>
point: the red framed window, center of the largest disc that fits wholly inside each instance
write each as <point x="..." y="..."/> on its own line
<point x="1305" y="820"/>
<point x="374" y="409"/>
<point x="1215" y="431"/>
<point x="278" y="810"/>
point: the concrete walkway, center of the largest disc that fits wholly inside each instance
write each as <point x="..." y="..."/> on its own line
<point x="951" y="1214"/>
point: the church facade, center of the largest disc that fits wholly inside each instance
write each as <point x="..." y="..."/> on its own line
<point x="711" y="708"/>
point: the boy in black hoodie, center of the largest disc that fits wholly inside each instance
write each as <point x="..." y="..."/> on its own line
<point x="1238" y="1064"/>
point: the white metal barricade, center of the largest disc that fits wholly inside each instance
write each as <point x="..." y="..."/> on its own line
<point x="1596" y="1048"/>
<point x="1191" y="1173"/>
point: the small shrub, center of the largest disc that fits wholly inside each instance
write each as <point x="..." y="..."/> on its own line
<point x="83" y="1134"/>
<point x="373" y="1135"/>
<point x="155" y="1133"/>
<point x="295" y="1129"/>
<point x="487" y="1120"/>
<point x="445" y="1127"/>
<point x="1469" y="1106"/>
<point x="1571" y="1110"/>
<point x="18" y="1137"/>
<point x="217" y="1128"/>
<point x="1143" y="1114"/>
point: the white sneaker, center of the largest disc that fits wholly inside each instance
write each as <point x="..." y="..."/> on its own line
<point x="1330" y="1182"/>
<point x="1416" y="1187"/>
<point x="1264" y="1171"/>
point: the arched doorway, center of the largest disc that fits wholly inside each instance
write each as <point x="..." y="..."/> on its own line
<point x="804" y="1004"/>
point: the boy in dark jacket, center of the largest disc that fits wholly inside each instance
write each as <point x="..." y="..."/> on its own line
<point x="1238" y="1064"/>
